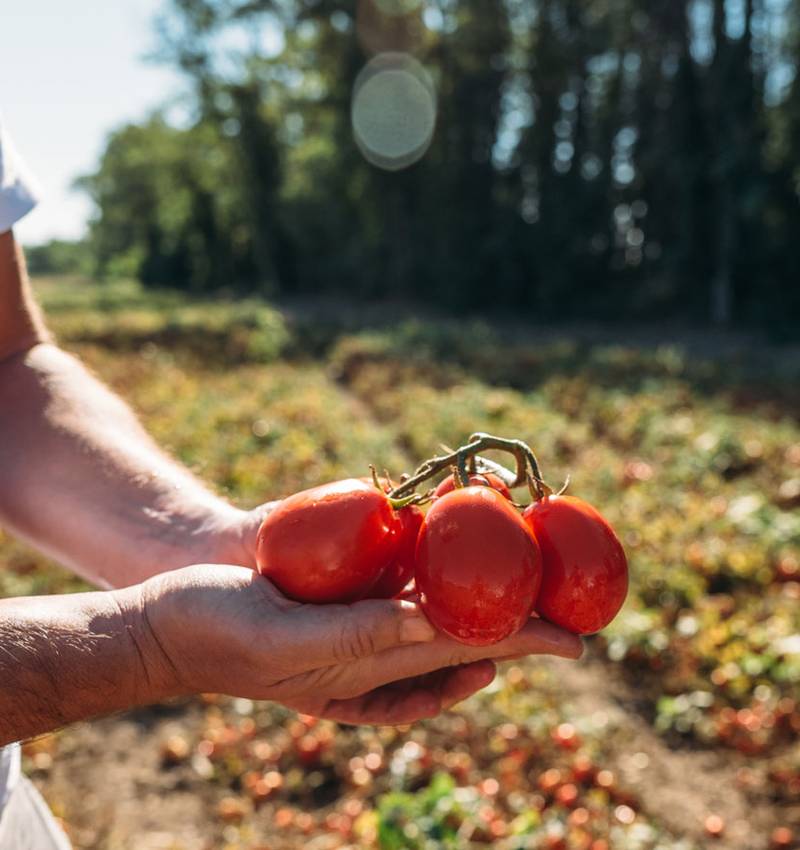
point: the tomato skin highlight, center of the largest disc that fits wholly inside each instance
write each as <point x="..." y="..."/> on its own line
<point x="400" y="570"/>
<point x="585" y="578"/>
<point x="330" y="543"/>
<point x="484" y="479"/>
<point x="478" y="566"/>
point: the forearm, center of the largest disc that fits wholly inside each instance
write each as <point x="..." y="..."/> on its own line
<point x="21" y="323"/>
<point x="69" y="658"/>
<point x="82" y="481"/>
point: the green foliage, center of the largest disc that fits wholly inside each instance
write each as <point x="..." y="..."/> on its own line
<point x="167" y="212"/>
<point x="59" y="257"/>
<point x="416" y="820"/>
<point x="121" y="315"/>
<point x="688" y="456"/>
<point x="590" y="159"/>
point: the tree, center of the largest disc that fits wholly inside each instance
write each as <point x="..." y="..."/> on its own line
<point x="591" y="158"/>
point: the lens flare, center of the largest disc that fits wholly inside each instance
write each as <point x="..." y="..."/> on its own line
<point x="393" y="111"/>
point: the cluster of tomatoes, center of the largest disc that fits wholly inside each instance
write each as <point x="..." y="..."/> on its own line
<point x="479" y="566"/>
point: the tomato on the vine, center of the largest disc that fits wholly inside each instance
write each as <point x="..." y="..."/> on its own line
<point x="585" y="572"/>
<point x="478" y="566"/>
<point x="400" y="569"/>
<point x="483" y="479"/>
<point x="330" y="543"/>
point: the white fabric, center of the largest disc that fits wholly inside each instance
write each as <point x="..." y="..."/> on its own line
<point x="27" y="824"/>
<point x="9" y="772"/>
<point x="19" y="190"/>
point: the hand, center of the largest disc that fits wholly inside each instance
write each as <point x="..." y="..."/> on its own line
<point x="231" y="539"/>
<point x="227" y="629"/>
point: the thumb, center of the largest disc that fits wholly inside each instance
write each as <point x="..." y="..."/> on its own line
<point x="336" y="634"/>
<point x="248" y="531"/>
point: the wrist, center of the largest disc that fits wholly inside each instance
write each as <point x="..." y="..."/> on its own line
<point x="232" y="537"/>
<point x="182" y="536"/>
<point x="156" y="678"/>
<point x="226" y="540"/>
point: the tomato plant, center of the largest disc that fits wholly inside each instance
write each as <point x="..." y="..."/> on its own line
<point x="330" y="543"/>
<point x="478" y="566"/>
<point x="585" y="572"/>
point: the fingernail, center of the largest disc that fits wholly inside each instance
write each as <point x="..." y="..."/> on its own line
<point x="417" y="629"/>
<point x="567" y="643"/>
<point x="571" y="644"/>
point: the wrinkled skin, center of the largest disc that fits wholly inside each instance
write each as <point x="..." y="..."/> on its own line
<point x="228" y="630"/>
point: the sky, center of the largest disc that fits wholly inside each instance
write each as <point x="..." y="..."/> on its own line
<point x="70" y="73"/>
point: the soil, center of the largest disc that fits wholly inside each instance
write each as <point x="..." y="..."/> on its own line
<point x="110" y="784"/>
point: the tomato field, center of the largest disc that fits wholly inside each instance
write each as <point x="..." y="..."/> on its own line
<point x="680" y="728"/>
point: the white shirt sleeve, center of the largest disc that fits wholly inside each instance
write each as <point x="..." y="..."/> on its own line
<point x="19" y="190"/>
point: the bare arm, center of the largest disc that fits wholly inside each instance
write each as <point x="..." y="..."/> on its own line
<point x="80" y="478"/>
<point x="226" y="629"/>
<point x="21" y="323"/>
<point x="66" y="658"/>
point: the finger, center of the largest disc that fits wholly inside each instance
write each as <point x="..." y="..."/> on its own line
<point x="328" y="635"/>
<point x="535" y="638"/>
<point x="386" y="706"/>
<point x="249" y="530"/>
<point x="412" y="700"/>
<point x="463" y="682"/>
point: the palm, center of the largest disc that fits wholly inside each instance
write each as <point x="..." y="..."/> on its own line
<point x="324" y="666"/>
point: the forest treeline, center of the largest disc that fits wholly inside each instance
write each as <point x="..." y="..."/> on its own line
<point x="591" y="158"/>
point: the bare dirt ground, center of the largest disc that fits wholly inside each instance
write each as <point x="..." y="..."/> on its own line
<point x="111" y="786"/>
<point x="679" y="786"/>
<point x="109" y="783"/>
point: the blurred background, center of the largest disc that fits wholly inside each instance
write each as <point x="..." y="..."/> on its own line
<point x="304" y="236"/>
<point x="602" y="160"/>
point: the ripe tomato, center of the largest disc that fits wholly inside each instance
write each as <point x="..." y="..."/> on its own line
<point x="401" y="567"/>
<point x="485" y="479"/>
<point x="330" y="543"/>
<point x="585" y="577"/>
<point x="478" y="566"/>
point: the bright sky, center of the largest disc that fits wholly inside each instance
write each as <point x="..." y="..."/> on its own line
<point x="70" y="73"/>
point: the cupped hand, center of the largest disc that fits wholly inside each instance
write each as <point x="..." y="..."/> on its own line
<point x="231" y="537"/>
<point x="228" y="630"/>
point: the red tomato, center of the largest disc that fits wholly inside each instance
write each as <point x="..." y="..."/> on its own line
<point x="478" y="566"/>
<point x="486" y="479"/>
<point x="585" y="577"/>
<point x="329" y="543"/>
<point x="400" y="570"/>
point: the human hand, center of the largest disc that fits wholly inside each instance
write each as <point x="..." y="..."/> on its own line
<point x="231" y="538"/>
<point x="227" y="629"/>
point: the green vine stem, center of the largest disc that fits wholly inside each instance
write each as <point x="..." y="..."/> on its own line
<point x="521" y="451"/>
<point x="463" y="458"/>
